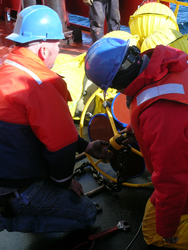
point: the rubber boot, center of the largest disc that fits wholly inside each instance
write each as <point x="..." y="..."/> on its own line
<point x="152" y="247"/>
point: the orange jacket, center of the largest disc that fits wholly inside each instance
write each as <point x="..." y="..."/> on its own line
<point x="38" y="132"/>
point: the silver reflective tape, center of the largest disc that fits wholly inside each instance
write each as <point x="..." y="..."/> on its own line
<point x="17" y="65"/>
<point x="170" y="88"/>
<point x="62" y="180"/>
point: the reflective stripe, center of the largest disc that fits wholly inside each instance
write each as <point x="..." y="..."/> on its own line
<point x="62" y="180"/>
<point x="170" y="88"/>
<point x="17" y="65"/>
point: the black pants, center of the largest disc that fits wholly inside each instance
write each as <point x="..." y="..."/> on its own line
<point x="97" y="13"/>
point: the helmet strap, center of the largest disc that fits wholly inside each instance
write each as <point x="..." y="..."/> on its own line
<point x="27" y="44"/>
<point x="125" y="76"/>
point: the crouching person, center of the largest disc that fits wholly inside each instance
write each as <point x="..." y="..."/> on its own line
<point x="38" y="138"/>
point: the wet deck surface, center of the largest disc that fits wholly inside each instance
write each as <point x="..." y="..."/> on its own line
<point x="71" y="48"/>
<point x="128" y="204"/>
<point x="5" y="45"/>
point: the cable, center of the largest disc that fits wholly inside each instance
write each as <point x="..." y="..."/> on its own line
<point x="139" y="229"/>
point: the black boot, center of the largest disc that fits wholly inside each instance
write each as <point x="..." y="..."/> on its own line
<point x="152" y="247"/>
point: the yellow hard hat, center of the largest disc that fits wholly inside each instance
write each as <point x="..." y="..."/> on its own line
<point x="165" y="36"/>
<point x="134" y="39"/>
<point x="150" y="17"/>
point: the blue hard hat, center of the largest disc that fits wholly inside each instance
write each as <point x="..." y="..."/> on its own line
<point x="37" y="22"/>
<point x="104" y="59"/>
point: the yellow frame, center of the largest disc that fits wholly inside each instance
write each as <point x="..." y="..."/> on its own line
<point x="178" y="3"/>
<point x="115" y="132"/>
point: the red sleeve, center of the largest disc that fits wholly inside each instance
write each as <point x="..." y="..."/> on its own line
<point x="164" y="127"/>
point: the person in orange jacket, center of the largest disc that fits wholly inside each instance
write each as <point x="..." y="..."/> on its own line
<point x="98" y="11"/>
<point x="156" y="88"/>
<point x="38" y="137"/>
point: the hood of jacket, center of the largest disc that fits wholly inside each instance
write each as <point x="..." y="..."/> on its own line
<point x="164" y="60"/>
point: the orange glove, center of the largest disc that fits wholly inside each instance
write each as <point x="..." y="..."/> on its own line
<point x="88" y="2"/>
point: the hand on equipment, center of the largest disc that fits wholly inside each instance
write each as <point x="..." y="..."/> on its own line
<point x="88" y="2"/>
<point x="76" y="187"/>
<point x="129" y="138"/>
<point x="96" y="149"/>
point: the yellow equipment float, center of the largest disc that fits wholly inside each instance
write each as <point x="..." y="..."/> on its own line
<point x="134" y="39"/>
<point x="168" y="37"/>
<point x="151" y="17"/>
<point x="71" y="69"/>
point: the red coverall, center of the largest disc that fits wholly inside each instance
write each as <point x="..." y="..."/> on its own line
<point x="159" y="119"/>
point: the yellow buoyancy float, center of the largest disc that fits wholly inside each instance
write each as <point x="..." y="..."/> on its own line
<point x="71" y="69"/>
<point x="134" y="39"/>
<point x="150" y="17"/>
<point x="168" y="37"/>
<point x="180" y="43"/>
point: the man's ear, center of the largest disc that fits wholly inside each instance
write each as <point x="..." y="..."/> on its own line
<point x="42" y="53"/>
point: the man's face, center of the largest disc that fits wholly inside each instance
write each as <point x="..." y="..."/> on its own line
<point x="53" y="50"/>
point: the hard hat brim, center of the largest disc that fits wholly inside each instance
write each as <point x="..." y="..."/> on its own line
<point x="16" y="38"/>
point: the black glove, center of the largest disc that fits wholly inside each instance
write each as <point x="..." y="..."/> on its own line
<point x="96" y="149"/>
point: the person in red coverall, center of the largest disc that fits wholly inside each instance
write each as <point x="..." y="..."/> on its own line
<point x="38" y="139"/>
<point x="156" y="87"/>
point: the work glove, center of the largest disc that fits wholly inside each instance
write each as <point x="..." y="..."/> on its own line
<point x="88" y="2"/>
<point x="98" y="150"/>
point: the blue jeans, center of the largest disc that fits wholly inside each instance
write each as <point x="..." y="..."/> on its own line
<point x="45" y="208"/>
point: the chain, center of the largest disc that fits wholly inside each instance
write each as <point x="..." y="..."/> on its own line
<point x="81" y="169"/>
<point x="112" y="186"/>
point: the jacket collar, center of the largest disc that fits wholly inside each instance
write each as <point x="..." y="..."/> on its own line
<point x="164" y="60"/>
